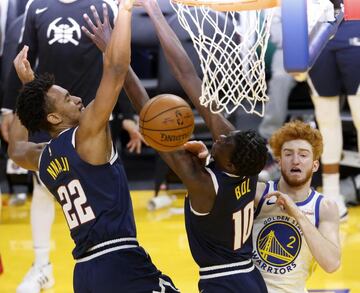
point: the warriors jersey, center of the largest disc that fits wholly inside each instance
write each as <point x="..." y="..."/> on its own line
<point x="223" y="236"/>
<point x="280" y="250"/>
<point x="95" y="199"/>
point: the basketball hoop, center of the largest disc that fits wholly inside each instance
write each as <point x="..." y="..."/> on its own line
<point x="230" y="37"/>
<point x="231" y="5"/>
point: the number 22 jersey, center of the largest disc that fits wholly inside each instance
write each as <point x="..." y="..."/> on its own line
<point x="95" y="199"/>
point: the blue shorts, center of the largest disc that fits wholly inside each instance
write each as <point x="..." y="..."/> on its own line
<point x="337" y="70"/>
<point x="127" y="270"/>
<point x="236" y="283"/>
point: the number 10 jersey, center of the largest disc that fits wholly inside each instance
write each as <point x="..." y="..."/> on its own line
<point x="223" y="235"/>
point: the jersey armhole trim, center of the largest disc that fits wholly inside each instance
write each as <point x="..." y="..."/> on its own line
<point x="214" y="180"/>
<point x="317" y="210"/>
<point x="114" y="154"/>
<point x="195" y="212"/>
<point x="216" y="187"/>
<point x="73" y="137"/>
<point x="262" y="199"/>
<point x="40" y="156"/>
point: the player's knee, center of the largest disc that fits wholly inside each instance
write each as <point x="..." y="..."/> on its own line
<point x="354" y="103"/>
<point x="327" y="111"/>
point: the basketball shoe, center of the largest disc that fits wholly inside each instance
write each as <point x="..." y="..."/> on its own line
<point x="36" y="279"/>
<point x="350" y="189"/>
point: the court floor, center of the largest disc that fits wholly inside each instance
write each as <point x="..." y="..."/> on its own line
<point x="162" y="233"/>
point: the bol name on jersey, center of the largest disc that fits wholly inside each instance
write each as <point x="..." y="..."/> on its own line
<point x="223" y="235"/>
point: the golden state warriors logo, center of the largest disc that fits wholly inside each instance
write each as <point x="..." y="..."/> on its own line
<point x="278" y="243"/>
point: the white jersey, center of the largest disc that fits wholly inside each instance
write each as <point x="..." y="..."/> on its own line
<point x="280" y="251"/>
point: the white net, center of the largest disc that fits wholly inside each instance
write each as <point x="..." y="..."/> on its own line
<point x="231" y="47"/>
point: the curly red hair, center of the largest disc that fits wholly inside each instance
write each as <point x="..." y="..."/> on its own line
<point x="297" y="130"/>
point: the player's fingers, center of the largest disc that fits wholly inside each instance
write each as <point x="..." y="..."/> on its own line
<point x="105" y="14"/>
<point x="25" y="51"/>
<point x="192" y="145"/>
<point x="27" y="65"/>
<point x="130" y="146"/>
<point x="281" y="203"/>
<point x="89" y="22"/>
<point x="274" y="193"/>
<point x="19" y="56"/>
<point x="203" y="154"/>
<point x="87" y="32"/>
<point x="96" y="15"/>
<point x="138" y="147"/>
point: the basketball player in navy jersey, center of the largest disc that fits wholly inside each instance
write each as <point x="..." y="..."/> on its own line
<point x="81" y="169"/>
<point x="219" y="207"/>
<point x="51" y="30"/>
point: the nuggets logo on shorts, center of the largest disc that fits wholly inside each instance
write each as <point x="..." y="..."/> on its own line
<point x="278" y="243"/>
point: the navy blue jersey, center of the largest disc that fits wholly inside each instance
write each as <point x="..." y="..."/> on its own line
<point x="52" y="30"/>
<point x="95" y="199"/>
<point x="224" y="235"/>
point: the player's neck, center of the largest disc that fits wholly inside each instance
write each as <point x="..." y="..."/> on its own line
<point x="297" y="193"/>
<point x="55" y="132"/>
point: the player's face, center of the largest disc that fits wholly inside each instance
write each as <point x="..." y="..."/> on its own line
<point x="222" y="150"/>
<point x="297" y="162"/>
<point x="65" y="107"/>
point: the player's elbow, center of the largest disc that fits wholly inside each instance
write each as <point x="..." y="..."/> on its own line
<point x="184" y="72"/>
<point x="12" y="151"/>
<point x="332" y="266"/>
<point x="14" y="156"/>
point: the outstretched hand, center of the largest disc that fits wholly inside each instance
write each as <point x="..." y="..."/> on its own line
<point x="136" y="139"/>
<point x="23" y="67"/>
<point x="101" y="32"/>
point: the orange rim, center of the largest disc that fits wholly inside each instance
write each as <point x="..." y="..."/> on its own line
<point x="231" y="5"/>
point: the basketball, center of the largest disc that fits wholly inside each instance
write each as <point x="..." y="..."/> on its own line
<point x="166" y="122"/>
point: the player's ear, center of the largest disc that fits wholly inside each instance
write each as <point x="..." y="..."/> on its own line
<point x="54" y="118"/>
<point x="316" y="165"/>
<point x="231" y="168"/>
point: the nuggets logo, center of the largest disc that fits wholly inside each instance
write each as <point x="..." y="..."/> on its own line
<point x="278" y="243"/>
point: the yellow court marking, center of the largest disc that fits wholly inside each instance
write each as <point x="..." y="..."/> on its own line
<point x="162" y="234"/>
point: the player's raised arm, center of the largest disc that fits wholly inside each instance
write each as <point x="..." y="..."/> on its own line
<point x="21" y="151"/>
<point x="183" y="68"/>
<point x="188" y="165"/>
<point x="116" y="63"/>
